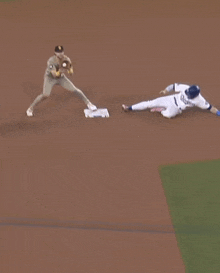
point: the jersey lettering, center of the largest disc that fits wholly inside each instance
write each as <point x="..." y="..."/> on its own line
<point x="185" y="101"/>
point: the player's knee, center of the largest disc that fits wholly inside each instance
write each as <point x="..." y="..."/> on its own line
<point x="77" y="90"/>
<point x="167" y="115"/>
<point x="45" y="96"/>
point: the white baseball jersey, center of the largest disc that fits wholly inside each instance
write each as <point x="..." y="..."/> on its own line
<point x="183" y="101"/>
<point x="173" y="104"/>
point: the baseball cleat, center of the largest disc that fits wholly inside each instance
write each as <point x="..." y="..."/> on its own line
<point x="125" y="108"/>
<point x="29" y="112"/>
<point x="91" y="106"/>
<point x="157" y="109"/>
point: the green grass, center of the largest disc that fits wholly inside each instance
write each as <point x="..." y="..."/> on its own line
<point x="193" y="197"/>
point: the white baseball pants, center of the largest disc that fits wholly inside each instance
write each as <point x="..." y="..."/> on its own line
<point x="167" y="102"/>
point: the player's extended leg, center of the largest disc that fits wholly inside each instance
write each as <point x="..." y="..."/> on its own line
<point x="162" y="102"/>
<point x="67" y="84"/>
<point x="48" y="84"/>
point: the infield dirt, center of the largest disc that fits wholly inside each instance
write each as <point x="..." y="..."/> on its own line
<point x="84" y="195"/>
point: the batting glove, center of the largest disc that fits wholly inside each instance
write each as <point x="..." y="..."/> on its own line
<point x="218" y="113"/>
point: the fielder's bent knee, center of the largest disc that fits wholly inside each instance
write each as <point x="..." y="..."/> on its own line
<point x="45" y="96"/>
<point x="77" y="91"/>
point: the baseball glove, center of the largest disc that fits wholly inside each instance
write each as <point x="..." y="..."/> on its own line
<point x="68" y="66"/>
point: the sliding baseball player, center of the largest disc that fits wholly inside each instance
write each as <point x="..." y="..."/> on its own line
<point x="57" y="65"/>
<point x="169" y="106"/>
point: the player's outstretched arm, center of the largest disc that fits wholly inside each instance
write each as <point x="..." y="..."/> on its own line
<point x="168" y="89"/>
<point x="215" y="111"/>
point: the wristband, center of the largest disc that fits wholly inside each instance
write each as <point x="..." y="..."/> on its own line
<point x="218" y="113"/>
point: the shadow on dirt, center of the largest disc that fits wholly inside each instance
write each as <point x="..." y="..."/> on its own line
<point x="21" y="127"/>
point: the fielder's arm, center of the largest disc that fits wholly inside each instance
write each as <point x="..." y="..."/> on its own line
<point x="56" y="74"/>
<point x="54" y="70"/>
<point x="70" y="71"/>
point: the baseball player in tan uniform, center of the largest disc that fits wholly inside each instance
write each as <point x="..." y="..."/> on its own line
<point x="57" y="65"/>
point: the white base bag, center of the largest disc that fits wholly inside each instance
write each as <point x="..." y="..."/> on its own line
<point x="99" y="113"/>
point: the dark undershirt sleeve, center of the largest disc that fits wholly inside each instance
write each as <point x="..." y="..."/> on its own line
<point x="209" y="108"/>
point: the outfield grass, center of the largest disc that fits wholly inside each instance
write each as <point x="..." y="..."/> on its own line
<point x="193" y="197"/>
